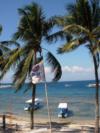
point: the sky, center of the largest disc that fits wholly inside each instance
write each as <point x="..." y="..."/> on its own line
<point x="76" y="65"/>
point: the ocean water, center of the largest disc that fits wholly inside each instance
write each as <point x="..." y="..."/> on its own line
<point x="80" y="99"/>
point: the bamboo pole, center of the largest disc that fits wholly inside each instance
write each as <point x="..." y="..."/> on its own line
<point x="49" y="116"/>
<point x="46" y="93"/>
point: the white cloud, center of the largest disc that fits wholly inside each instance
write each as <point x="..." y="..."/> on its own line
<point x="69" y="73"/>
<point x="72" y="73"/>
<point x="76" y="69"/>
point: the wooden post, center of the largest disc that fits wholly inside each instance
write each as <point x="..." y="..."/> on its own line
<point x="4" y="122"/>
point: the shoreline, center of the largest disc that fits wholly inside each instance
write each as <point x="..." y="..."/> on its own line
<point x="20" y="125"/>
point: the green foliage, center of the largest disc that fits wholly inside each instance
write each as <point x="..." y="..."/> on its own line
<point x="82" y="22"/>
<point x="10" y="60"/>
<point x="0" y="29"/>
<point x="69" y="46"/>
<point x="84" y="13"/>
<point x="32" y="29"/>
<point x="56" y="68"/>
<point x="23" y="70"/>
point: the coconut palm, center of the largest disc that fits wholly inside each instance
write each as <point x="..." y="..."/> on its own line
<point x="81" y="25"/>
<point x="32" y="30"/>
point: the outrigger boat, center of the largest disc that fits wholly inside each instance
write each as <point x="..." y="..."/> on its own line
<point x="63" y="110"/>
<point x="29" y="105"/>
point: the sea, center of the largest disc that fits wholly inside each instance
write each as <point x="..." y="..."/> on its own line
<point x="79" y="97"/>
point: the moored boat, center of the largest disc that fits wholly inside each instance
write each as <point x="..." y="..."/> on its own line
<point x="63" y="110"/>
<point x="29" y="105"/>
<point x="92" y="85"/>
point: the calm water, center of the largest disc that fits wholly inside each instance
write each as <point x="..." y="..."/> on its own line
<point x="78" y="95"/>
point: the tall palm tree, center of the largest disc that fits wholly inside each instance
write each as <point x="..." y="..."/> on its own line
<point x="32" y="30"/>
<point x="81" y="26"/>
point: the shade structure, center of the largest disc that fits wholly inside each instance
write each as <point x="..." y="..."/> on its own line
<point x="30" y="100"/>
<point x="62" y="105"/>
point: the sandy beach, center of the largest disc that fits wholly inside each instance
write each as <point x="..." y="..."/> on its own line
<point x="15" y="124"/>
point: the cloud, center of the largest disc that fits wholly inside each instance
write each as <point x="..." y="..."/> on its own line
<point x="76" y="69"/>
<point x="69" y="73"/>
<point x="74" y="72"/>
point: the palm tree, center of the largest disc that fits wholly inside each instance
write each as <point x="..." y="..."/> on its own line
<point x="81" y="26"/>
<point x="32" y="30"/>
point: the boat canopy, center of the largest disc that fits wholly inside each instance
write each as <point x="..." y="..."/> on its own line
<point x="30" y="100"/>
<point x="62" y="105"/>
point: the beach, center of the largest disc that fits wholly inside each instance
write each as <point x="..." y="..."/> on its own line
<point x="78" y="95"/>
<point x="80" y="99"/>
<point x="20" y="125"/>
<point x="50" y="66"/>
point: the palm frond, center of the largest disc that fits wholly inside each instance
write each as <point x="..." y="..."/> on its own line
<point x="25" y="28"/>
<point x="72" y="45"/>
<point x="0" y="29"/>
<point x="95" y="12"/>
<point x="4" y="45"/>
<point x="96" y="31"/>
<point x="55" y="36"/>
<point x="4" y="58"/>
<point x="81" y="13"/>
<point x="60" y="21"/>
<point x="74" y="27"/>
<point x="33" y="7"/>
<point x="10" y="60"/>
<point x="96" y="47"/>
<point x="9" y="43"/>
<point x="47" y="26"/>
<point x="26" y="16"/>
<point x="16" y="35"/>
<point x="56" y="68"/>
<point x="23" y="70"/>
<point x="4" y="48"/>
<point x="1" y="53"/>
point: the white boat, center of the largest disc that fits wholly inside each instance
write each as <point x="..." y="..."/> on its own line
<point x="63" y="110"/>
<point x="29" y="105"/>
<point x="5" y="86"/>
<point x="92" y="85"/>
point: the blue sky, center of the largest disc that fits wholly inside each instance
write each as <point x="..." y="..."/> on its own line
<point x="76" y="65"/>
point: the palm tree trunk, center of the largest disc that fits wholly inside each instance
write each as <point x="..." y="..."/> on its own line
<point x="33" y="103"/>
<point x="33" y="97"/>
<point x="96" y="95"/>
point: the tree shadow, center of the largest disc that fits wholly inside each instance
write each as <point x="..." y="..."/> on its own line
<point x="10" y="128"/>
